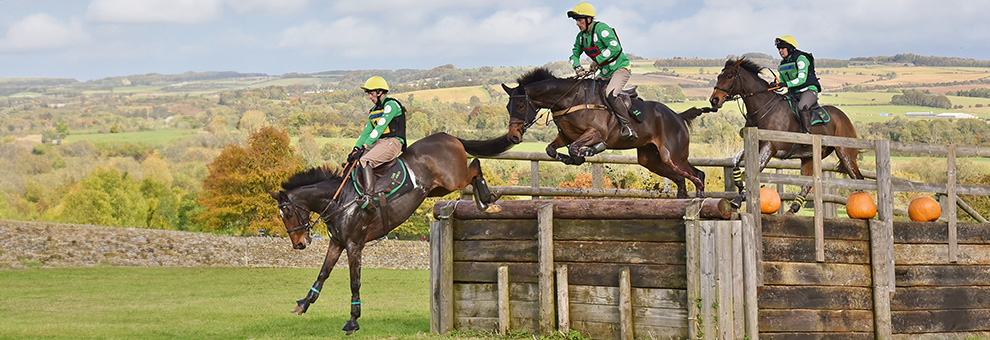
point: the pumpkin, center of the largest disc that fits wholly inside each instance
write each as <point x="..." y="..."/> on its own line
<point x="924" y="209"/>
<point x="769" y="201"/>
<point x="860" y="205"/>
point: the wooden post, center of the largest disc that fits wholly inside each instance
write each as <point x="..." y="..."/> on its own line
<point x="503" y="300"/>
<point x="829" y="207"/>
<point x="692" y="245"/>
<point x="881" y="279"/>
<point x="816" y="150"/>
<point x="534" y="176"/>
<point x="563" y="301"/>
<point x="441" y="276"/>
<point x="597" y="175"/>
<point x="545" y="217"/>
<point x="950" y="208"/>
<point x="750" y="268"/>
<point x="780" y="193"/>
<point x="625" y="306"/>
<point x="708" y="292"/>
<point x="723" y="277"/>
<point x="728" y="176"/>
<point x="738" y="308"/>
<point x="751" y="143"/>
<point x="885" y="203"/>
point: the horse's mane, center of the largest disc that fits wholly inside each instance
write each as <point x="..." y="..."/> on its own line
<point x="537" y="74"/>
<point x="748" y="65"/>
<point x="312" y="176"/>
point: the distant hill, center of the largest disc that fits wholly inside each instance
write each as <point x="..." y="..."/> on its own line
<point x="161" y="79"/>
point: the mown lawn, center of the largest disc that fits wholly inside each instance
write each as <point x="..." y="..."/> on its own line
<point x="207" y="303"/>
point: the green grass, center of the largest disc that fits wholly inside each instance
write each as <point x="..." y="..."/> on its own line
<point x="154" y="137"/>
<point x="206" y="303"/>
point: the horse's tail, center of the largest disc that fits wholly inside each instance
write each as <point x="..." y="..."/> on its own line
<point x="489" y="147"/>
<point x="690" y="114"/>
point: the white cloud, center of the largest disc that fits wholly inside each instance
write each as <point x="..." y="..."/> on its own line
<point x="267" y="6"/>
<point x="349" y="36"/>
<point x="154" y="11"/>
<point x="41" y="31"/>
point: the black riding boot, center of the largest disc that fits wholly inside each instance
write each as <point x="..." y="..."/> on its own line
<point x="805" y="119"/>
<point x="367" y="185"/>
<point x="622" y="114"/>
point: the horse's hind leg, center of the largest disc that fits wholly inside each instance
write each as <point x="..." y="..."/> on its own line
<point x="333" y="253"/>
<point x="737" y="179"/>
<point x="354" y="251"/>
<point x="649" y="158"/>
<point x="806" y="164"/>
<point x="847" y="158"/>
<point x="483" y="196"/>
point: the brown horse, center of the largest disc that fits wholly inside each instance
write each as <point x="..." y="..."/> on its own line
<point x="769" y="110"/>
<point x="436" y="165"/>
<point x="587" y="127"/>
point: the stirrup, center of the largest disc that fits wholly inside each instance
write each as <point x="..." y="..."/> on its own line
<point x="365" y="202"/>
<point x="628" y="133"/>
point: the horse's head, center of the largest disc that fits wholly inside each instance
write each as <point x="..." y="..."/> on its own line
<point x="522" y="112"/>
<point x="739" y="78"/>
<point x="296" y="218"/>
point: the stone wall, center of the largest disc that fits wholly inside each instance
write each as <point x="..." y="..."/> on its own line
<point x="53" y="245"/>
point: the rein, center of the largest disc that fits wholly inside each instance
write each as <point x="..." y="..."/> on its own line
<point x="554" y="113"/>
<point x="743" y="96"/>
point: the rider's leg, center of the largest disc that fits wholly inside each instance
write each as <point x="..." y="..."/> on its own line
<point x="805" y="103"/>
<point x="616" y="82"/>
<point x="380" y="152"/>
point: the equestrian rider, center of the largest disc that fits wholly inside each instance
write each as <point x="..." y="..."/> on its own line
<point x="599" y="42"/>
<point x="383" y="138"/>
<point x="797" y="71"/>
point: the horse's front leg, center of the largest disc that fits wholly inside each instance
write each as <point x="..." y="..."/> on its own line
<point x="552" y="150"/>
<point x="354" y="251"/>
<point x="333" y="253"/>
<point x="588" y="144"/>
<point x="737" y="179"/>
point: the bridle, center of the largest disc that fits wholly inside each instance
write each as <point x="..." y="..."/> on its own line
<point x="728" y="92"/>
<point x="309" y="225"/>
<point x="536" y="114"/>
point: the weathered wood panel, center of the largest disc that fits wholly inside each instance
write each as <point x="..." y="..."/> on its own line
<point x="786" y="249"/>
<point x="642" y="275"/>
<point x="908" y="254"/>
<point x="619" y="252"/>
<point x="922" y="298"/>
<point x="646" y="230"/>
<point x="807" y="320"/>
<point x="937" y="232"/>
<point x="489" y="291"/>
<point x="610" y="313"/>
<point x="815" y="297"/>
<point x="938" y="321"/>
<point x="597" y="330"/>
<point x="481" y="324"/>
<point x="825" y="274"/>
<point x="645" y="331"/>
<point x="817" y="336"/>
<point x="942" y="275"/>
<point x="494" y="230"/>
<point x="835" y="228"/>
<point x="595" y="209"/>
<point x="942" y="336"/>
<point x="641" y="297"/>
<point x="488" y="271"/>
<point x="504" y="250"/>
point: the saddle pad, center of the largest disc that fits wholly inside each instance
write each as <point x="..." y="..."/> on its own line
<point x="395" y="182"/>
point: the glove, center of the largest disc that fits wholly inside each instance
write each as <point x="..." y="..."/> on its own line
<point x="355" y="154"/>
<point x="593" y="67"/>
<point x="580" y="72"/>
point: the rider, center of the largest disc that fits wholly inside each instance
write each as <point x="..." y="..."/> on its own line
<point x="599" y="42"/>
<point x="797" y="71"/>
<point x="383" y="138"/>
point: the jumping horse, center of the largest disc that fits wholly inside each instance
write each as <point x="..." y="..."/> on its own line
<point x="768" y="110"/>
<point x="436" y="165"/>
<point x="586" y="127"/>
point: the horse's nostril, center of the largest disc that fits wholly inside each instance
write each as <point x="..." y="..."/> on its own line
<point x="300" y="246"/>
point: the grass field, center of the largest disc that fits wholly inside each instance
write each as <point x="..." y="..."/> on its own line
<point x="207" y="303"/>
<point x="153" y="137"/>
<point x="451" y="94"/>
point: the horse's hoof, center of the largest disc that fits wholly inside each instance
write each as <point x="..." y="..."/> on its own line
<point x="736" y="202"/>
<point x="577" y="160"/>
<point x="493" y="208"/>
<point x="298" y="310"/>
<point x="350" y="327"/>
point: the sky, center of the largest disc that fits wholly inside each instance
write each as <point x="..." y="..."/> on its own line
<point x="94" y="39"/>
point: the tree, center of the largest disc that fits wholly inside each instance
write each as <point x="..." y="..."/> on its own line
<point x="235" y="193"/>
<point x="104" y="197"/>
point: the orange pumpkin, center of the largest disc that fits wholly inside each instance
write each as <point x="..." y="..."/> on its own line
<point x="769" y="201"/>
<point x="860" y="205"/>
<point x="924" y="209"/>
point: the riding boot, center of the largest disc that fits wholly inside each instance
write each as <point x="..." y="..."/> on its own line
<point x="805" y="118"/>
<point x="622" y="115"/>
<point x="367" y="185"/>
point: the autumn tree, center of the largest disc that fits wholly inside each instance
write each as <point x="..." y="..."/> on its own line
<point x="235" y="193"/>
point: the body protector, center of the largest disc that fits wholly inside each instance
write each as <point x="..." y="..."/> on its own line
<point x="797" y="71"/>
<point x="602" y="45"/>
<point x="387" y="119"/>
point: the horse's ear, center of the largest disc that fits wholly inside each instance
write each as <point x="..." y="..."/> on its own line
<point x="739" y="62"/>
<point x="507" y="89"/>
<point x="276" y="195"/>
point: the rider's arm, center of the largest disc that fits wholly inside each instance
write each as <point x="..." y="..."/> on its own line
<point x="607" y="39"/>
<point x="576" y="52"/>
<point x="363" y="138"/>
<point x="381" y="119"/>
<point x="802" y="64"/>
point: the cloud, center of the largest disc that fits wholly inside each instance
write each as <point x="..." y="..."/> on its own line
<point x="267" y="6"/>
<point x="42" y="32"/>
<point x="349" y="36"/>
<point x="154" y="11"/>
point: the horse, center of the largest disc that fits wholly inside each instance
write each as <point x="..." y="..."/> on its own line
<point x="770" y="110"/>
<point x="586" y="126"/>
<point x="436" y="165"/>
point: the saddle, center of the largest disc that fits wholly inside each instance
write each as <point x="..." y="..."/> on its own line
<point x="391" y="178"/>
<point x="819" y="116"/>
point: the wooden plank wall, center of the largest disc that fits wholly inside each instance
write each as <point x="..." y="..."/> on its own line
<point x="595" y="253"/>
<point x="805" y="299"/>
<point x="935" y="298"/>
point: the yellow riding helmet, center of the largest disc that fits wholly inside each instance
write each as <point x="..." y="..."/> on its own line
<point x="582" y="10"/>
<point x="788" y="39"/>
<point x="375" y="83"/>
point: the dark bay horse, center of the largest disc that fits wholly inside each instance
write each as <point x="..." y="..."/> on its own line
<point x="437" y="165"/>
<point x="587" y="128"/>
<point x="770" y="111"/>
